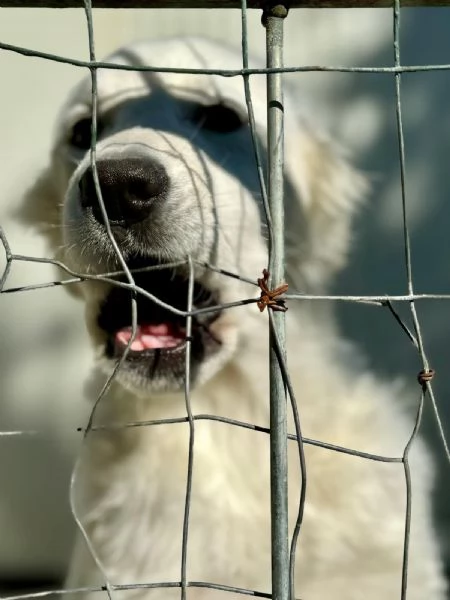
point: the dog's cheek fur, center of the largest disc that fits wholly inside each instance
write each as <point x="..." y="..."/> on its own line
<point x="41" y="209"/>
<point x="318" y="233"/>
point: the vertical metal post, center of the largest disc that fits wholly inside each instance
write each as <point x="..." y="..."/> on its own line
<point x="273" y="18"/>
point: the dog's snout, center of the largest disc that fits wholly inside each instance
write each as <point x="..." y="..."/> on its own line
<point x="129" y="187"/>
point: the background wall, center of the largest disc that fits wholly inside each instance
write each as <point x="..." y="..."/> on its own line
<point x="43" y="355"/>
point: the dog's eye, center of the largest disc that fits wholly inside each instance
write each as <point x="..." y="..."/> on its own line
<point x="218" y="118"/>
<point x="80" y="136"/>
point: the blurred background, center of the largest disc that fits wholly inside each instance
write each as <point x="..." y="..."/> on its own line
<point x="44" y="357"/>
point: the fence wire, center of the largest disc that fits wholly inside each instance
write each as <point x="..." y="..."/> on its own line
<point x="275" y="233"/>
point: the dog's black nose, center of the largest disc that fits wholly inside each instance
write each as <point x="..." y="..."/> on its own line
<point x="130" y="187"/>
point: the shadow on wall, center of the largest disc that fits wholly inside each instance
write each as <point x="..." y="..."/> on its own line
<point x="377" y="265"/>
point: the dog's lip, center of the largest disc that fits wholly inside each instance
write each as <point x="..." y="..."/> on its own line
<point x="175" y="355"/>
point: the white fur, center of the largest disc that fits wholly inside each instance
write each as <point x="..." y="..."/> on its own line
<point x="130" y="490"/>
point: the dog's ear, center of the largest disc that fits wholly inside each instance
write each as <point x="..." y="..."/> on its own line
<point x="328" y="190"/>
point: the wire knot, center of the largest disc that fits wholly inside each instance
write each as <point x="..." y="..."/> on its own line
<point x="271" y="298"/>
<point x="425" y="376"/>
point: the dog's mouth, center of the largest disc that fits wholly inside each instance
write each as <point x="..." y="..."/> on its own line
<point x="158" y="349"/>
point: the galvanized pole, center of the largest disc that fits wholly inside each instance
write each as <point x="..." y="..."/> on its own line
<point x="273" y="17"/>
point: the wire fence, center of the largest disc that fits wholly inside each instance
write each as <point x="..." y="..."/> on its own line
<point x="283" y="553"/>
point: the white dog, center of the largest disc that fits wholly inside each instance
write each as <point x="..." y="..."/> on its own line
<point x="178" y="179"/>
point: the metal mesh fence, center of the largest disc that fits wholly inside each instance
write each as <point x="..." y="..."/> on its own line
<point x="283" y="554"/>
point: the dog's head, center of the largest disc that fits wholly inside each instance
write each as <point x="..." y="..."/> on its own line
<point x="178" y="179"/>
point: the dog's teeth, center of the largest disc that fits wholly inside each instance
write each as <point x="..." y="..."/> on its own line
<point x="161" y="341"/>
<point x="123" y="336"/>
<point x="137" y="345"/>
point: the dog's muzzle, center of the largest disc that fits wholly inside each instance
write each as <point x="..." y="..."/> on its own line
<point x="130" y="189"/>
<point x="135" y="192"/>
<point x="158" y="350"/>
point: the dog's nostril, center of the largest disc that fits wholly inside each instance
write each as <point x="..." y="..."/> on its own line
<point x="129" y="186"/>
<point x="140" y="188"/>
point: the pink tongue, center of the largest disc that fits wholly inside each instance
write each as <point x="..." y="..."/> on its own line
<point x="149" y="337"/>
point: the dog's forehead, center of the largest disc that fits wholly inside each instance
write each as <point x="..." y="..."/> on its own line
<point x="115" y="86"/>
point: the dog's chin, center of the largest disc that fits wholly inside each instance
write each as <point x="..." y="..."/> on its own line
<point x="155" y="358"/>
